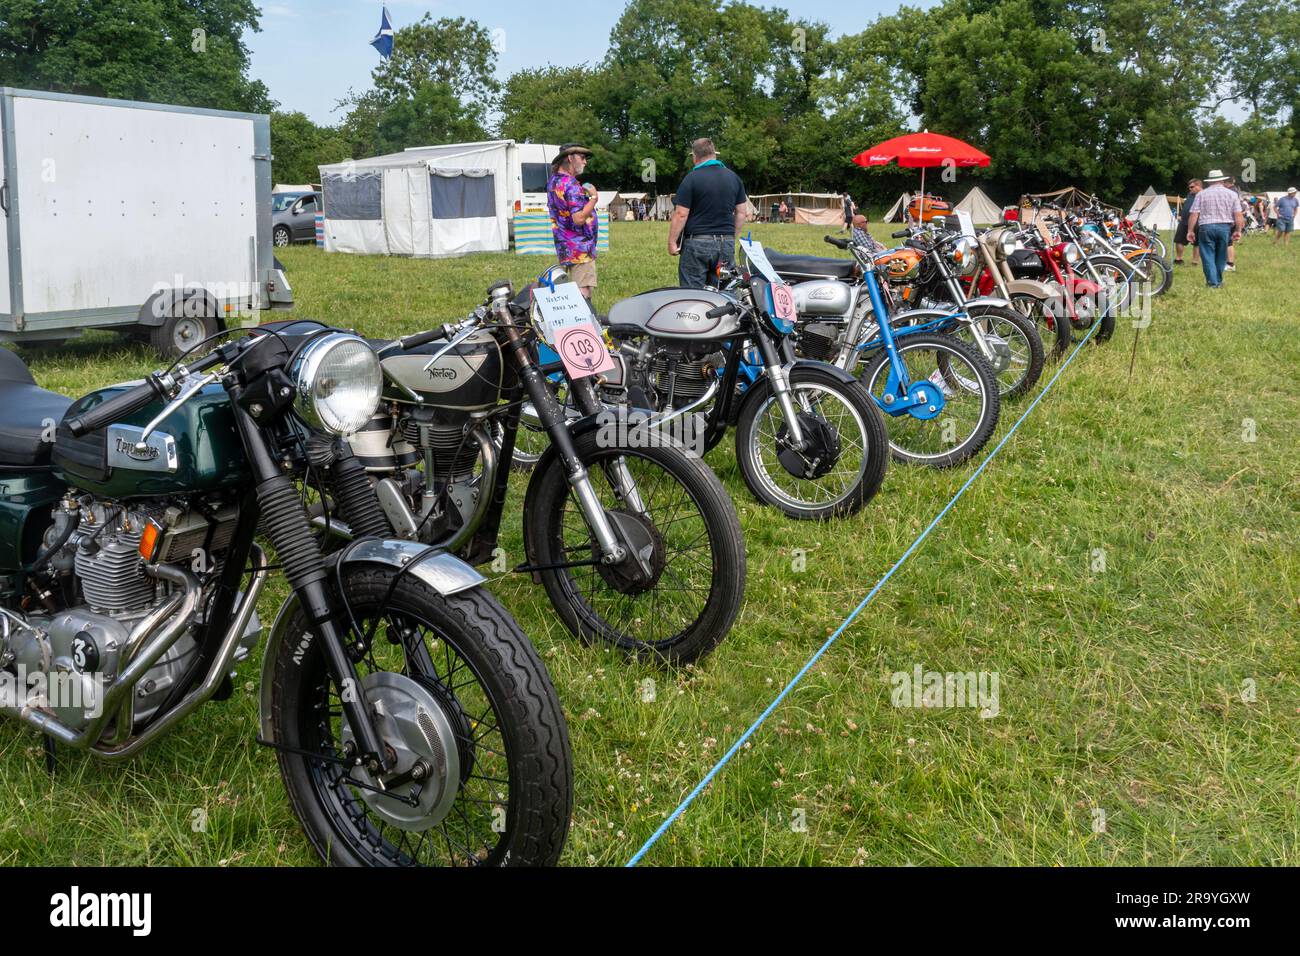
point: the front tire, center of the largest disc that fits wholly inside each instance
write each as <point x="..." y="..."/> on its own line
<point x="515" y="780"/>
<point x="280" y="236"/>
<point x="1021" y="334"/>
<point x="829" y="407"/>
<point x="971" y="398"/>
<point x="691" y="527"/>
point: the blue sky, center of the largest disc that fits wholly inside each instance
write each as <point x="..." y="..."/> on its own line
<point x="310" y="52"/>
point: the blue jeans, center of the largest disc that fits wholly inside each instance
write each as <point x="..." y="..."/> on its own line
<point x="697" y="265"/>
<point x="1212" y="241"/>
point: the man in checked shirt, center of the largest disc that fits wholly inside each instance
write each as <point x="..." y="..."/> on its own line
<point x="1215" y="220"/>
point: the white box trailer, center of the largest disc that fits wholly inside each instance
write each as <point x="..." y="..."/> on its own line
<point x="139" y="217"/>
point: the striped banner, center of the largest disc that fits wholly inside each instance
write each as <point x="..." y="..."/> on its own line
<point x="533" y="234"/>
<point x="320" y="229"/>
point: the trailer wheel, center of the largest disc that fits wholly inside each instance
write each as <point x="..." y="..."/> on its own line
<point x="179" y="333"/>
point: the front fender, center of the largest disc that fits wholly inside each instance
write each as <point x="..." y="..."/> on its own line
<point x="444" y="572"/>
<point x="763" y="387"/>
<point x="1034" y="287"/>
<point x="987" y="301"/>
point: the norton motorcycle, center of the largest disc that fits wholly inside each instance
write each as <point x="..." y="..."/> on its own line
<point x="634" y="539"/>
<point x="413" y="721"/>
<point x="809" y="440"/>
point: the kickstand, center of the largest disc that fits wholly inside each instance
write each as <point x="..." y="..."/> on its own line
<point x="50" y="761"/>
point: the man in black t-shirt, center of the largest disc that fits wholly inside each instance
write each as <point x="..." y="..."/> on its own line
<point x="710" y="211"/>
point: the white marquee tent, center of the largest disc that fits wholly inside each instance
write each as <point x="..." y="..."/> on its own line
<point x="433" y="201"/>
<point x="983" y="211"/>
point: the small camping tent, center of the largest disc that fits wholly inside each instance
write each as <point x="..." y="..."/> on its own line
<point x="983" y="211"/>
<point x="819" y="209"/>
<point x="425" y="202"/>
<point x="898" y="211"/>
<point x="1153" y="211"/>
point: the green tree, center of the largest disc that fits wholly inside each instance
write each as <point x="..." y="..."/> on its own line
<point x="438" y="86"/>
<point x="300" y="147"/>
<point x="187" y="52"/>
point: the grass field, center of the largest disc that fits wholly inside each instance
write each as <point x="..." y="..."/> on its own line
<point x="1127" y="567"/>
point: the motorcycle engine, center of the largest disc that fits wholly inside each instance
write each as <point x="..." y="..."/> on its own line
<point x="99" y="573"/>
<point x="820" y="340"/>
<point x="679" y="375"/>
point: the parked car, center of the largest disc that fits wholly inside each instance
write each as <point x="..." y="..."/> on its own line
<point x="293" y="217"/>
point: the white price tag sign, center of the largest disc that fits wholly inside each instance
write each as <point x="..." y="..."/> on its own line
<point x="967" y="225"/>
<point x="559" y="309"/>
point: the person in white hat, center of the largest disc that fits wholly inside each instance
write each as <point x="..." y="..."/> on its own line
<point x="1286" y="209"/>
<point x="1215" y="221"/>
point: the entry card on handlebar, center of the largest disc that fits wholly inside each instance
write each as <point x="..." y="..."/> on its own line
<point x="559" y="307"/>
<point x="782" y="298"/>
<point x="568" y="326"/>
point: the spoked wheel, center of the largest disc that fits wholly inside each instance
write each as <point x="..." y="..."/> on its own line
<point x="675" y="596"/>
<point x="1119" y="285"/>
<point x="1159" y="273"/>
<point x="946" y="431"/>
<point x="483" y="773"/>
<point x="844" y="457"/>
<point x="1053" y="331"/>
<point x="1025" y="363"/>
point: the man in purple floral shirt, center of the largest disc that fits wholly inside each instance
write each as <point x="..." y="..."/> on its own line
<point x="573" y="216"/>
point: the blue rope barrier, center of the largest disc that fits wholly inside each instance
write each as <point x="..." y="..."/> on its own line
<point x="767" y="712"/>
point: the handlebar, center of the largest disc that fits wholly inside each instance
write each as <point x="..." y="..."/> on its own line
<point x="422" y="338"/>
<point x="727" y="308"/>
<point x="116" y="408"/>
<point x="839" y="243"/>
<point x="902" y="233"/>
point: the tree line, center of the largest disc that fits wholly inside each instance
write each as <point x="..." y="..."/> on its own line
<point x="1111" y="95"/>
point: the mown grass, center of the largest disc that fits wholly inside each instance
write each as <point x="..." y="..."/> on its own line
<point x="1125" y="690"/>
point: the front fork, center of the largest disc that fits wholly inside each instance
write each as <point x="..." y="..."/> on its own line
<point x="774" y="369"/>
<point x="551" y="414"/>
<point x="286" y="524"/>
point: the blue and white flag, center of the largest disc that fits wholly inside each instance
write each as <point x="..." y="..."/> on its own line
<point x="383" y="41"/>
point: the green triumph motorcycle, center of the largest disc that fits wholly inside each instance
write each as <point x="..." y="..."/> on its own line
<point x="412" y="719"/>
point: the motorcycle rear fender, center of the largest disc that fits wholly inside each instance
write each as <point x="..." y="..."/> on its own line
<point x="444" y="572"/>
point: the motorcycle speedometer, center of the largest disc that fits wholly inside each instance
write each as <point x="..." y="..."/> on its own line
<point x="338" y="382"/>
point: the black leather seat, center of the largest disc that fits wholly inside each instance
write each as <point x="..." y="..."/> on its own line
<point x="26" y="412"/>
<point x="811" y="265"/>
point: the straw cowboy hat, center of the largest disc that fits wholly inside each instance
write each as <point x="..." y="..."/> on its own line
<point x="1216" y="176"/>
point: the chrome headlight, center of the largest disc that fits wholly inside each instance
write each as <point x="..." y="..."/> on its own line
<point x="963" y="255"/>
<point x="1008" y="242"/>
<point x="1090" y="240"/>
<point x="1072" y="253"/>
<point x="338" y="381"/>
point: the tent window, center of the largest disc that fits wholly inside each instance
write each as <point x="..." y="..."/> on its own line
<point x="355" y="196"/>
<point x="463" y="197"/>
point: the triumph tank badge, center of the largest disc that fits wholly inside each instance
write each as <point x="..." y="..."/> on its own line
<point x="158" y="453"/>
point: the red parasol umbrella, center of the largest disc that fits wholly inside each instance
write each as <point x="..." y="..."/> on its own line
<point x="922" y="150"/>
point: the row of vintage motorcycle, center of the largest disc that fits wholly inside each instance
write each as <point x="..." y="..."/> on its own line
<point x="413" y="721"/>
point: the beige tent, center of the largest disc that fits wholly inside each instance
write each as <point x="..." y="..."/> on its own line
<point x="983" y="211"/>
<point x="1153" y="210"/>
<point x="815" y="208"/>
<point x="898" y="212"/>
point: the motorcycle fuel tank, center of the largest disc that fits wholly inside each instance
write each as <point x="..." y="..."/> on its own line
<point x="467" y="376"/>
<point x="823" y="297"/>
<point x="676" y="314"/>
